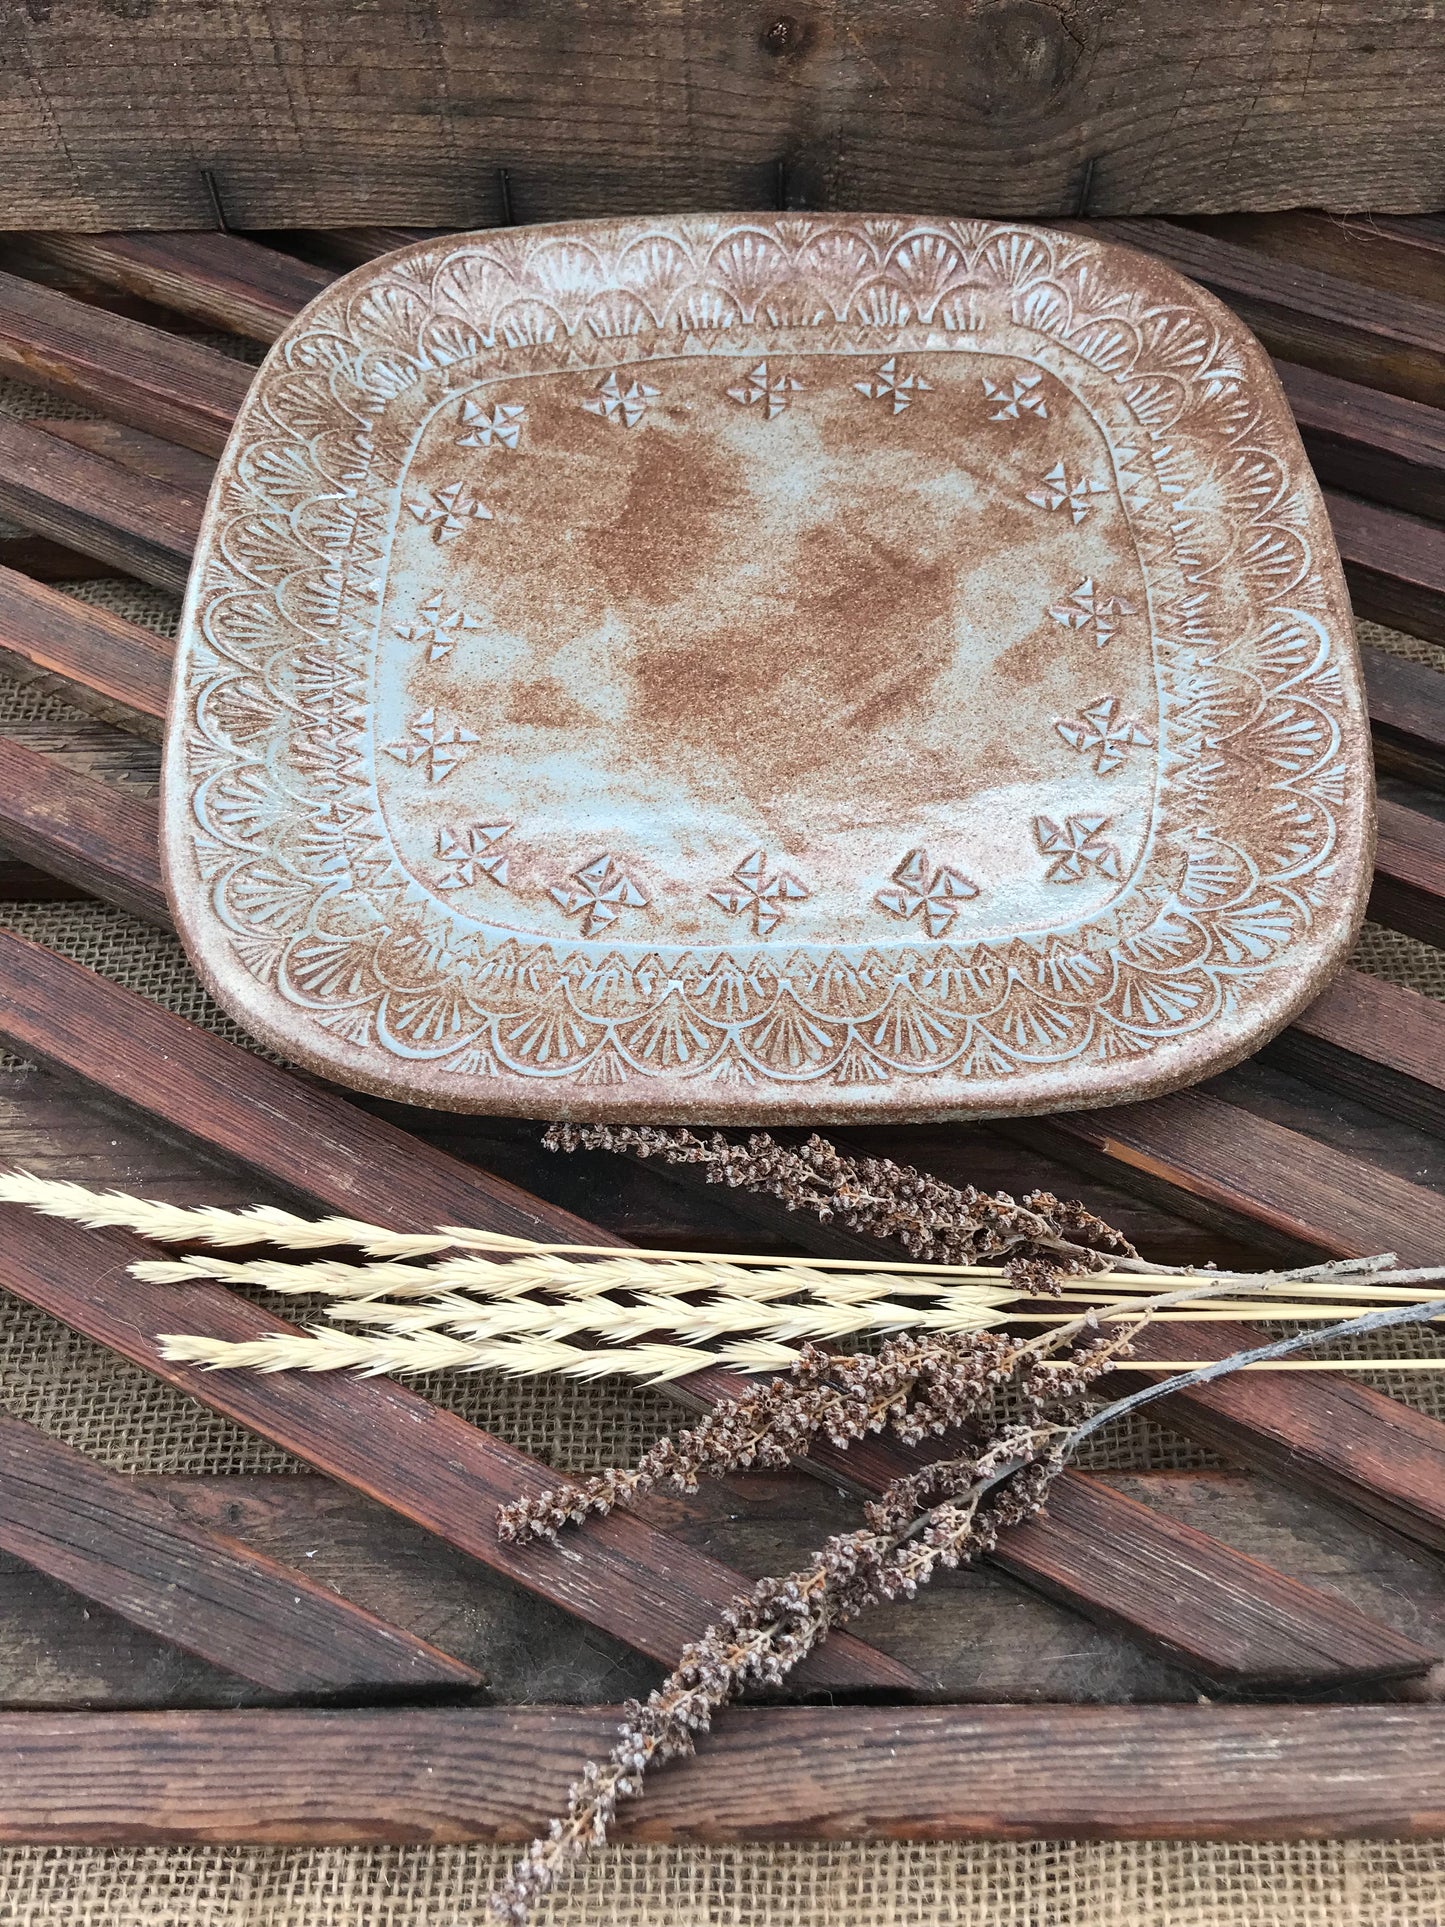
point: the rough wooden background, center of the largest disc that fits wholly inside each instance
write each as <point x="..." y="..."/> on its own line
<point x="461" y="112"/>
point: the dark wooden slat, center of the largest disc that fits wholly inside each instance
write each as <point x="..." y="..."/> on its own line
<point x="219" y="278"/>
<point x="918" y="1773"/>
<point x="1407" y="716"/>
<point x="153" y="380"/>
<point x="639" y="1584"/>
<point x="1334" y="1436"/>
<point x="1305" y="1191"/>
<point x="47" y="561"/>
<point x="130" y="522"/>
<point x="1172" y="1577"/>
<point x="113" y="668"/>
<point x="122" y="1546"/>
<point x="20" y="883"/>
<point x="1370" y="443"/>
<point x="691" y="105"/>
<point x="1388" y="341"/>
<point x="77" y="824"/>
<point x="1409" y="888"/>
<point x="146" y="454"/>
<point x="1394" y="564"/>
<point x="1402" y="256"/>
<point x="1376" y="1041"/>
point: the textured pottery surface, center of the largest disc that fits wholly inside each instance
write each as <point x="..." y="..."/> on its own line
<point x="766" y="668"/>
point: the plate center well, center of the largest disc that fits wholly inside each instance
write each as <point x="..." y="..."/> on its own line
<point x="823" y="648"/>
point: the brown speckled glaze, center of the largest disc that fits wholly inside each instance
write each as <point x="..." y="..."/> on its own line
<point x="766" y="668"/>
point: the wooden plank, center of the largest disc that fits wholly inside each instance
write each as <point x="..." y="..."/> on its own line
<point x="132" y="448"/>
<point x="122" y="1546"/>
<point x="153" y="380"/>
<point x="639" y="1584"/>
<point x="1407" y="716"/>
<point x="222" y="279"/>
<point x="917" y="1773"/>
<point x="1389" y="341"/>
<point x="1218" y="1611"/>
<point x="130" y="522"/>
<point x="1335" y="1436"/>
<point x="1304" y="1191"/>
<point x="47" y="561"/>
<point x="317" y="115"/>
<point x="1409" y="889"/>
<point x="1370" y="443"/>
<point x="1375" y="1041"/>
<point x="1402" y="256"/>
<point x="76" y="824"/>
<point x="111" y="667"/>
<point x="1394" y="565"/>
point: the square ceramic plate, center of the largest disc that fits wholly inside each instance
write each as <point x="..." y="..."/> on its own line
<point x="766" y="668"/>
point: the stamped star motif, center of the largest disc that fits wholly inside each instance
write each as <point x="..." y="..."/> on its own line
<point x="618" y="404"/>
<point x="501" y="424"/>
<point x="888" y="384"/>
<point x="1058" y="492"/>
<point x="1102" y="732"/>
<point x="469" y="853"/>
<point x="751" y="891"/>
<point x="1077" y="847"/>
<point x="598" y="893"/>
<point x="1087" y="607"/>
<point x="774" y="391"/>
<point x="431" y="746"/>
<point x="1023" y="395"/>
<point x="447" y="511"/>
<point x="935" y="899"/>
<point x="435" y="628"/>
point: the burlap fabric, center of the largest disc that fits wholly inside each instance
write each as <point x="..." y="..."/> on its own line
<point x="120" y="1415"/>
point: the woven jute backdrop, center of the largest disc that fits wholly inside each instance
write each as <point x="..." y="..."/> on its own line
<point x="125" y="1418"/>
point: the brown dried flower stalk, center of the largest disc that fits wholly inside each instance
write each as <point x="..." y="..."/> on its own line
<point x="1039" y="1236"/>
<point x="915" y="1386"/>
<point x="945" y="1515"/>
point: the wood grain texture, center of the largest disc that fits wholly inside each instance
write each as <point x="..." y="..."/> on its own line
<point x="1359" y="439"/>
<point x="920" y="1773"/>
<point x="112" y="668"/>
<point x="75" y="824"/>
<point x="121" y="1545"/>
<point x="1409" y="888"/>
<point x="1407" y="716"/>
<point x="1216" y="1610"/>
<point x="1394" y="564"/>
<point x="320" y="114"/>
<point x="1306" y="1192"/>
<point x="1378" y="1042"/>
<point x="131" y="523"/>
<point x="1301" y="314"/>
<point x="1399" y="256"/>
<point x="153" y="380"/>
<point x="222" y="279"/>
<point x="389" y="1443"/>
<point x="1334" y="1436"/>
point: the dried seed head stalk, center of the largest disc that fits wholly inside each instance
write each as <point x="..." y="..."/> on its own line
<point x="1039" y="1237"/>
<point x="945" y="1516"/>
<point x="915" y="1386"/>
